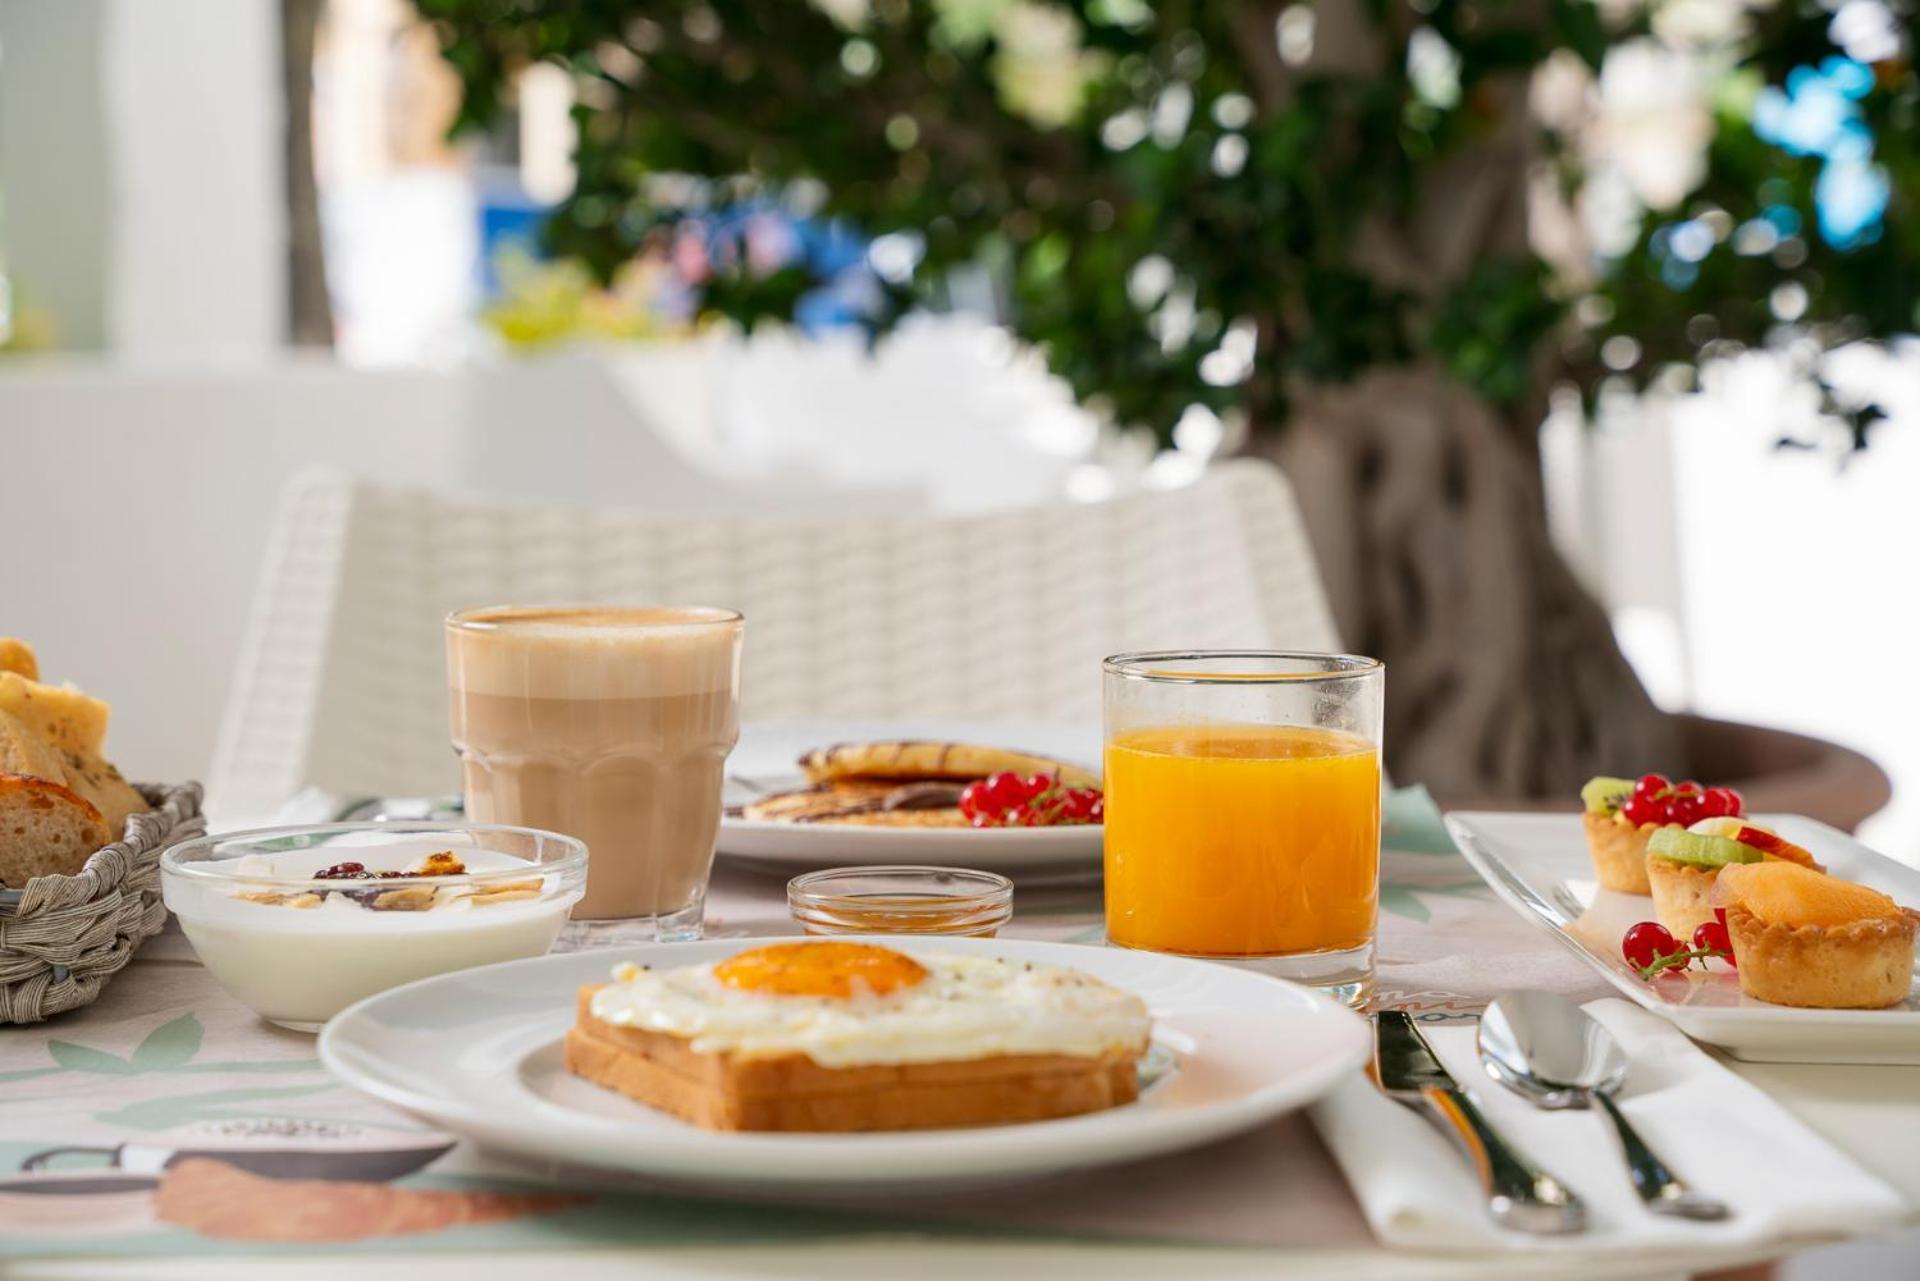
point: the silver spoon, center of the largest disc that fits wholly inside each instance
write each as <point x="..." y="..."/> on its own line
<point x="1553" y="1053"/>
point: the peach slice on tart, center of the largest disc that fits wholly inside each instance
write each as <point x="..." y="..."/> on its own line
<point x="1683" y="864"/>
<point x="1805" y="939"/>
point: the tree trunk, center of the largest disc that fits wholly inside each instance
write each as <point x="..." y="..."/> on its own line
<point x="1425" y="505"/>
<point x="1503" y="676"/>
<point x="309" y="311"/>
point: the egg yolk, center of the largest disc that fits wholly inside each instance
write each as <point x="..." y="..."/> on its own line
<point x="820" y="969"/>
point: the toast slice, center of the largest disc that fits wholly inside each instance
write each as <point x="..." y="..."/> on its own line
<point x="790" y="1092"/>
<point x="46" y="829"/>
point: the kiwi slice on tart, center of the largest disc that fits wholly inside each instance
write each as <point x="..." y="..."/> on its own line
<point x="1604" y="795"/>
<point x="1697" y="850"/>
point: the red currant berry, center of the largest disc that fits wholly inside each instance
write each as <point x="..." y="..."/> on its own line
<point x="984" y="819"/>
<point x="1711" y="936"/>
<point x="1736" y="800"/>
<point x="1098" y="814"/>
<point x="1639" y="810"/>
<point x="1720" y="915"/>
<point x="1005" y="790"/>
<point x="1650" y="785"/>
<point x="973" y="798"/>
<point x="1645" y="943"/>
<point x="1037" y="785"/>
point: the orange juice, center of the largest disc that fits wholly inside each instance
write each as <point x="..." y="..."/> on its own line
<point x="1241" y="840"/>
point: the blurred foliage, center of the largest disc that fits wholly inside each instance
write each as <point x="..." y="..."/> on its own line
<point x="1171" y="201"/>
<point x="547" y="302"/>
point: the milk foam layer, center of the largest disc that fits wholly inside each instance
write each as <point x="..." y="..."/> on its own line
<point x="593" y="653"/>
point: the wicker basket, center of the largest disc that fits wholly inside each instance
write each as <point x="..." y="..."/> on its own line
<point x="63" y="937"/>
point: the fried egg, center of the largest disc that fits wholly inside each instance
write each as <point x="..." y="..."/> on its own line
<point x="843" y="1004"/>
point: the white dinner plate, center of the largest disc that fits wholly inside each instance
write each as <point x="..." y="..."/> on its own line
<point x="766" y="761"/>
<point x="1539" y="864"/>
<point x="478" y="1052"/>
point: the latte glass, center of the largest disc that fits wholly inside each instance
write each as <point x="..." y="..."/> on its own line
<point x="611" y="725"/>
<point x="1243" y="810"/>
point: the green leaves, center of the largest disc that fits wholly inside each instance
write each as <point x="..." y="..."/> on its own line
<point x="1270" y="215"/>
<point x="170" y="1045"/>
<point x="1488" y="325"/>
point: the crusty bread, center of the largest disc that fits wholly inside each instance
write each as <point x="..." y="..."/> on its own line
<point x="45" y="829"/>
<point x="96" y="780"/>
<point x="724" y="1091"/>
<point x="61" y="715"/>
<point x="24" y="752"/>
<point x="18" y="657"/>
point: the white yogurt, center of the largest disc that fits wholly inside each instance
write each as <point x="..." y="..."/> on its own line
<point x="299" y="966"/>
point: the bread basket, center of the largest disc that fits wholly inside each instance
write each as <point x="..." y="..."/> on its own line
<point x="63" y="937"/>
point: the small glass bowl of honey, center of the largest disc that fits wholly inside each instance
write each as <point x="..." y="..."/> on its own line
<point x="901" y="900"/>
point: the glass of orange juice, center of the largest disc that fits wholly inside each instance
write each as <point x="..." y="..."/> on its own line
<point x="1243" y="810"/>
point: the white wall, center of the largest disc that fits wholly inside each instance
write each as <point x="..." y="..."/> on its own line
<point x="137" y="504"/>
<point x="141" y="173"/>
<point x="55" y="190"/>
<point x="197" y="134"/>
<point x="1797" y="576"/>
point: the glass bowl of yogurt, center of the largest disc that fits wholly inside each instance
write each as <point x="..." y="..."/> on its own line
<point x="300" y="922"/>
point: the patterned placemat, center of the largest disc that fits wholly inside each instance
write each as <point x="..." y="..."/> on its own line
<point x="124" y="1118"/>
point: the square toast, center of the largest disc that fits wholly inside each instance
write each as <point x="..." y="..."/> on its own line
<point x="790" y="1092"/>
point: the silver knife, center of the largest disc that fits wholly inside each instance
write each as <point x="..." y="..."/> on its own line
<point x="1520" y="1195"/>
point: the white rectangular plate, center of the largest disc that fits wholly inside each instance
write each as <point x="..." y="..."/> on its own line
<point x="1539" y="864"/>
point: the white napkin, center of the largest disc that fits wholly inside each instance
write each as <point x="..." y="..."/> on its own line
<point x="1713" y="1129"/>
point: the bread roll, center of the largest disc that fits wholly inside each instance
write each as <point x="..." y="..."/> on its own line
<point x="17" y="656"/>
<point x="45" y="829"/>
<point x="62" y="715"/>
<point x="24" y="752"/>
<point x="96" y="781"/>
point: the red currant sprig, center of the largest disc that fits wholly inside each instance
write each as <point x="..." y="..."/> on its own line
<point x="1651" y="949"/>
<point x="1658" y="800"/>
<point x="1038" y="800"/>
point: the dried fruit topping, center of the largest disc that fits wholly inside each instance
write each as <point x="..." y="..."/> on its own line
<point x="411" y="898"/>
<point x="344" y="872"/>
<point x="1038" y="800"/>
<point x="445" y="863"/>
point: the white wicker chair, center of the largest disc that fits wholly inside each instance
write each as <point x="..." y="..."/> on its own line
<point x="341" y="682"/>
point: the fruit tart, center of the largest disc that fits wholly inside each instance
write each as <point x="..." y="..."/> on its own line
<point x="1621" y="815"/>
<point x="1683" y="864"/>
<point x="1805" y="939"/>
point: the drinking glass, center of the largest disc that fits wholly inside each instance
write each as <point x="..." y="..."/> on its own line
<point x="609" y="724"/>
<point x="1243" y="810"/>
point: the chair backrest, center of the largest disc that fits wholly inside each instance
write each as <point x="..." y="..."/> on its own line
<point x="982" y="617"/>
